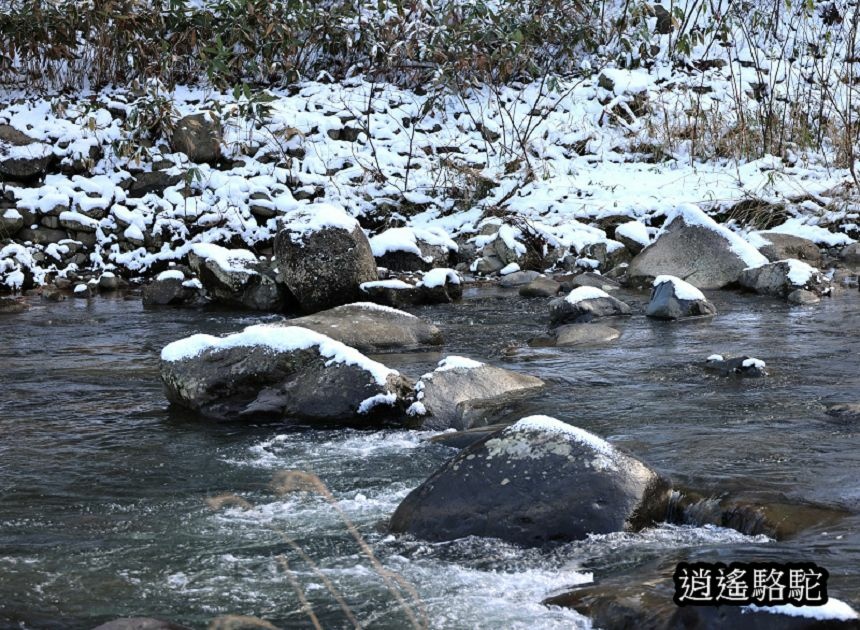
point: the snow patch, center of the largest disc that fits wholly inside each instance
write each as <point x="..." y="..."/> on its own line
<point x="315" y="217"/>
<point x="833" y="609"/>
<point x="799" y="273"/>
<point x="581" y="294"/>
<point x="454" y="362"/>
<point x="509" y="269"/>
<point x="552" y="425"/>
<point x="635" y="231"/>
<point x="683" y="290"/>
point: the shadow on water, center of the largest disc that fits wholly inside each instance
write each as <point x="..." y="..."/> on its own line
<point x="103" y="486"/>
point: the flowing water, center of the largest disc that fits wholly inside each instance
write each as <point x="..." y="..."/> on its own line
<point x="103" y="488"/>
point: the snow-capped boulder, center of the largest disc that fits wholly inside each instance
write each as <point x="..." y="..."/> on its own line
<point x="538" y="481"/>
<point x="437" y="286"/>
<point x="171" y="288"/>
<point x="372" y="328"/>
<point x="198" y="136"/>
<point x="746" y="367"/>
<point x="236" y="276"/>
<point x="584" y="304"/>
<point x="694" y="247"/>
<point x="413" y="249"/>
<point x="461" y="393"/>
<point x="672" y="298"/>
<point x="778" y="246"/>
<point x="21" y="157"/>
<point x="323" y="257"/>
<point x="793" y="280"/>
<point x="11" y="222"/>
<point x="517" y="278"/>
<point x="279" y="371"/>
<point x="633" y="235"/>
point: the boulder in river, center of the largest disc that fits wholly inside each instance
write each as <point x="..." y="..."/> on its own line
<point x="584" y="304"/>
<point x="540" y="287"/>
<point x="283" y="372"/>
<point x="696" y="248"/>
<point x="437" y="286"/>
<point x="373" y="328"/>
<point x="672" y="298"/>
<point x="575" y="335"/>
<point x="323" y="257"/>
<point x="747" y="367"/>
<point x="537" y="482"/>
<point x="789" y="279"/>
<point x="236" y="276"/>
<point x="462" y="393"/>
<point x="171" y="288"/>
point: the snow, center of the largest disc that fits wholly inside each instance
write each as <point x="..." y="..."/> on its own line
<point x="277" y="339"/>
<point x="416" y="409"/>
<point x="12" y="213"/>
<point x="386" y="284"/>
<point x="683" y="290"/>
<point x="454" y="362"/>
<point x="716" y="357"/>
<point x="754" y="363"/>
<point x="509" y="269"/>
<point x="171" y="274"/>
<point x="81" y="288"/>
<point x="580" y="294"/>
<point x="303" y="222"/>
<point x="691" y="215"/>
<point x="552" y="425"/>
<point x="230" y="260"/>
<point x="439" y="277"/>
<point x="635" y="231"/>
<point x="194" y="283"/>
<point x="370" y="306"/>
<point x="834" y="609"/>
<point x="799" y="273"/>
<point x="369" y="404"/>
<point x="819" y="235"/>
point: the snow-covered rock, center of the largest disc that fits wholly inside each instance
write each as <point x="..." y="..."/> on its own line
<point x="538" y="481"/>
<point x="672" y="298"/>
<point x="286" y="372"/>
<point x="575" y="335"/>
<point x="22" y="157"/>
<point x="413" y="249"/>
<point x="584" y="304"/>
<point x="170" y="288"/>
<point x="462" y="393"/>
<point x="10" y="222"/>
<point x="372" y="328"/>
<point x="436" y="286"/>
<point x="540" y="287"/>
<point x="634" y="236"/>
<point x="323" y="257"/>
<point x="789" y="279"/>
<point x="237" y="277"/>
<point x="694" y="247"/>
<point x="743" y="366"/>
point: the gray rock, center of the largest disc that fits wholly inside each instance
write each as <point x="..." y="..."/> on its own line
<point x="21" y="157"/>
<point x="783" y="246"/>
<point x="370" y="328"/>
<point x="851" y="254"/>
<point x="577" y="307"/>
<point x="11" y="305"/>
<point x="171" y="292"/>
<point x="467" y="437"/>
<point x="845" y="411"/>
<point x="199" y="137"/>
<point x="320" y="380"/>
<point x="782" y="278"/>
<point x="236" y="277"/>
<point x="83" y="291"/>
<point x="412" y="291"/>
<point x="42" y="236"/>
<point x="540" y="287"/>
<point x="590" y="279"/>
<point x="701" y="254"/>
<point x="802" y="296"/>
<point x="463" y="397"/>
<point x="77" y="223"/>
<point x="518" y="278"/>
<point x="537" y="482"/>
<point x="152" y="182"/>
<point x="326" y="267"/>
<point x="666" y="303"/>
<point x="108" y="282"/>
<point x="584" y="334"/>
<point x="140" y="623"/>
<point x="744" y="367"/>
<point x="487" y="265"/>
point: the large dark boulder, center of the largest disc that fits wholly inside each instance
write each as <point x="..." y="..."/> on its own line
<point x="461" y="393"/>
<point x="536" y="482"/>
<point x="21" y="157"/>
<point x="171" y="288"/>
<point x="695" y="248"/>
<point x="672" y="298"/>
<point x="280" y="371"/>
<point x="585" y="304"/>
<point x="323" y="257"/>
<point x="198" y="136"/>
<point x="372" y="328"/>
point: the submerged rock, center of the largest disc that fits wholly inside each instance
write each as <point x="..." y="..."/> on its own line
<point x="844" y="411"/>
<point x="461" y="393"/>
<point x="372" y="328"/>
<point x="672" y="298"/>
<point x="694" y="247"/>
<point x="437" y="286"/>
<point x="585" y="304"/>
<point x="784" y="279"/>
<point x="236" y="277"/>
<point x="540" y="287"/>
<point x="324" y="256"/>
<point x="538" y="481"/>
<point x="282" y="372"/>
<point x="140" y="623"/>
<point x="575" y="335"/>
